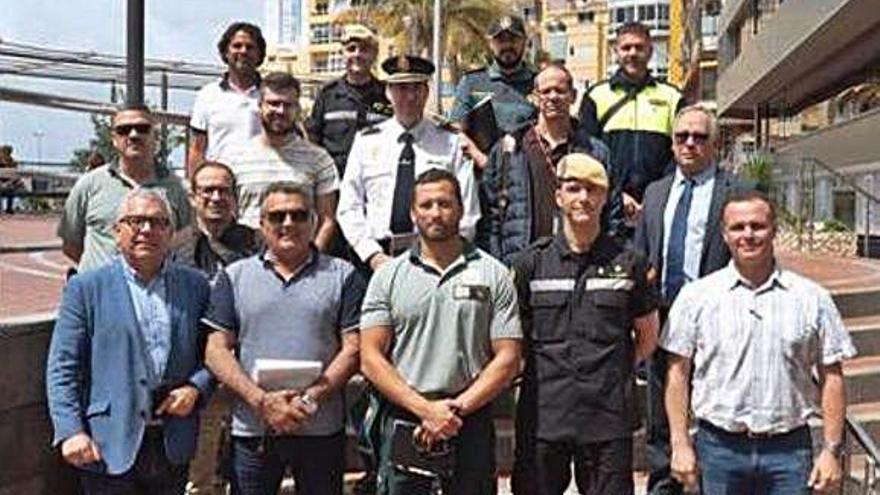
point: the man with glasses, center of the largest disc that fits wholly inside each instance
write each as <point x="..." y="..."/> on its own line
<point x="352" y="102"/>
<point x="225" y="112"/>
<point x="289" y="302"/>
<point x="217" y="239"/>
<point x="280" y="153"/>
<point x="680" y="235"/>
<point x="86" y="226"/>
<point x="124" y="375"/>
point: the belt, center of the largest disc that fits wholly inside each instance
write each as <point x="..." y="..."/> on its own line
<point x="751" y="435"/>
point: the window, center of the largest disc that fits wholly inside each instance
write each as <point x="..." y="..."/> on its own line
<point x="643" y="14"/>
<point x="619" y="16"/>
<point x="322" y="8"/>
<point x="584" y="17"/>
<point x="651" y="13"/>
<point x="320" y="33"/>
<point x="630" y="14"/>
<point x="664" y="12"/>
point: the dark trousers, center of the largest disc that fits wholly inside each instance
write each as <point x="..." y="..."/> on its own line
<point x="600" y="468"/>
<point x="474" y="472"/>
<point x="317" y="464"/>
<point x="151" y="474"/>
<point x="733" y="464"/>
<point x="660" y="481"/>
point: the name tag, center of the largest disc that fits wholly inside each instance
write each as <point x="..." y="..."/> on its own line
<point x="471" y="292"/>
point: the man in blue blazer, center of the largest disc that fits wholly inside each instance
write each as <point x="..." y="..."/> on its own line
<point x="679" y="232"/>
<point x="124" y="373"/>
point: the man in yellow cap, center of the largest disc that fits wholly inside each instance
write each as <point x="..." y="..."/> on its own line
<point x="588" y="315"/>
<point x="376" y="190"/>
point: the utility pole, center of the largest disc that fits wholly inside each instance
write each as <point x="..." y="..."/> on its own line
<point x="438" y="57"/>
<point x="134" y="67"/>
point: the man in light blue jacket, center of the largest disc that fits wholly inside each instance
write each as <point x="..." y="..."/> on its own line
<point x="124" y="375"/>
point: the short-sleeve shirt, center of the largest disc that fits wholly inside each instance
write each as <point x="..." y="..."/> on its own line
<point x="257" y="164"/>
<point x="578" y="312"/>
<point x="754" y="349"/>
<point x="229" y="117"/>
<point x="91" y="207"/>
<point x="302" y="318"/>
<point x="443" y="323"/>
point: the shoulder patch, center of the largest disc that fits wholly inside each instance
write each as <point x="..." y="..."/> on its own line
<point x="367" y="131"/>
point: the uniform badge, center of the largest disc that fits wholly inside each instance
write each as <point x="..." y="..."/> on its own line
<point x="657" y="102"/>
<point x="403" y="63"/>
<point x="506" y="22"/>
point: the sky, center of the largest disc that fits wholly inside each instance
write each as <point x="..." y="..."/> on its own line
<point x="175" y="29"/>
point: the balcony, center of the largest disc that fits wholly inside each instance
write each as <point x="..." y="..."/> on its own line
<point x="804" y="54"/>
<point x="850" y="145"/>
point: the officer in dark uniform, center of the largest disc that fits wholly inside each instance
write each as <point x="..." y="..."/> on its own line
<point x="352" y="102"/>
<point x="588" y="315"/>
<point x="509" y="79"/>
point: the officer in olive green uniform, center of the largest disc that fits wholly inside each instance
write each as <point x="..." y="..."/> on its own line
<point x="509" y="79"/>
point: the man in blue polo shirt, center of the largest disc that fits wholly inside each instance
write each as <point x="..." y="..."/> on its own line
<point x="289" y="302"/>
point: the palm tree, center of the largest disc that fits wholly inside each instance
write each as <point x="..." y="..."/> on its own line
<point x="410" y="24"/>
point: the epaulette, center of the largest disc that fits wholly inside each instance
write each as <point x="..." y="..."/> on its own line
<point x="442" y="122"/>
<point x="541" y="243"/>
<point x="367" y="131"/>
<point x="475" y="70"/>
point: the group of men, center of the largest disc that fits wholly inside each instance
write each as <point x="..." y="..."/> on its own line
<point x="369" y="237"/>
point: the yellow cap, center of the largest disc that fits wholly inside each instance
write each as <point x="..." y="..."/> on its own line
<point x="358" y="32"/>
<point x="581" y="166"/>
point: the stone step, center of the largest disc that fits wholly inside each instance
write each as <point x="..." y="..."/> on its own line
<point x="856" y="302"/>
<point x="865" y="333"/>
<point x="862" y="379"/>
<point x="868" y="415"/>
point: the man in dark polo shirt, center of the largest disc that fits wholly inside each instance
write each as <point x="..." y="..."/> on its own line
<point x="588" y="316"/>
<point x="217" y="239"/>
<point x="289" y="302"/>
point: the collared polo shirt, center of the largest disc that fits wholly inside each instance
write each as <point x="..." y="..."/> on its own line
<point x="228" y="116"/>
<point x="443" y="323"/>
<point x="91" y="207"/>
<point x="578" y="312"/>
<point x="754" y="348"/>
<point x="301" y="318"/>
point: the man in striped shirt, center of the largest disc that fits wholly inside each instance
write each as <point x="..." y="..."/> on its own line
<point x="754" y="333"/>
<point x="281" y="153"/>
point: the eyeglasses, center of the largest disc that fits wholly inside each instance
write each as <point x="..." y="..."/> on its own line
<point x="208" y="192"/>
<point x="139" y="222"/>
<point x="697" y="137"/>
<point x="125" y="129"/>
<point x="277" y="217"/>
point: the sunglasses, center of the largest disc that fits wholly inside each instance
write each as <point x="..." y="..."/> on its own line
<point x="697" y="137"/>
<point x="140" y="222"/>
<point x="125" y="129"/>
<point x="277" y="217"/>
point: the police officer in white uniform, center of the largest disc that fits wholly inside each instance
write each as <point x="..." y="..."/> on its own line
<point x="376" y="190"/>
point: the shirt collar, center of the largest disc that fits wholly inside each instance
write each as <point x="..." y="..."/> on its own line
<point x="225" y="86"/>
<point x="131" y="274"/>
<point x="417" y="130"/>
<point x="495" y="72"/>
<point x="699" y="179"/>
<point x="469" y="253"/>
<point x="619" y="80"/>
<point x="160" y="171"/>
<point x="778" y="278"/>
<point x="597" y="251"/>
<point x="268" y="259"/>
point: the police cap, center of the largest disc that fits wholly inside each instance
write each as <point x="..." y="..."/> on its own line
<point x="359" y="32"/>
<point x="407" y="69"/>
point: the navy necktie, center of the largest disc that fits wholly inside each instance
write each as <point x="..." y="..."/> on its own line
<point x="401" y="223"/>
<point x="675" y="250"/>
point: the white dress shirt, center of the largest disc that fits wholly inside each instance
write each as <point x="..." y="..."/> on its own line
<point x="366" y="193"/>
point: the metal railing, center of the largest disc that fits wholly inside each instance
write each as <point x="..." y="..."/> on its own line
<point x="806" y="169"/>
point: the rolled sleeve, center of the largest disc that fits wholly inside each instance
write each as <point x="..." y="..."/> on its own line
<point x="505" y="319"/>
<point x="221" y="314"/>
<point x="681" y="331"/>
<point x="352" y="299"/>
<point x="376" y="309"/>
<point x="836" y="343"/>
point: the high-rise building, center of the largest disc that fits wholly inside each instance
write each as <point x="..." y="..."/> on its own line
<point x="285" y="23"/>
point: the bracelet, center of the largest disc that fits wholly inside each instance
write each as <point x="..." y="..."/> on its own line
<point x="835" y="448"/>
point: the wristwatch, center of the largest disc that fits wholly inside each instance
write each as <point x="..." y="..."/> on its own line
<point x="309" y="402"/>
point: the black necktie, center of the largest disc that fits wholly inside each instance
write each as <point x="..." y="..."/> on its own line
<point x="401" y="223"/>
<point x="675" y="249"/>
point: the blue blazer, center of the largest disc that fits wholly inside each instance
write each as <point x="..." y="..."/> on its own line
<point x="96" y="373"/>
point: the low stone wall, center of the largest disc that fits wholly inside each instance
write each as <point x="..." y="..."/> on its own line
<point x="29" y="465"/>
<point x="841" y="244"/>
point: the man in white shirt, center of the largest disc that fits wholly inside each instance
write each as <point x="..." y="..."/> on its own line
<point x="376" y="189"/>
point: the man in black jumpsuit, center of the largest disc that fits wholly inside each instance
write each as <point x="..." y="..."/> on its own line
<point x="588" y="315"/>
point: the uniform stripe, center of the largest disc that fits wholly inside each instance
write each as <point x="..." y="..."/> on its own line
<point x="341" y="115"/>
<point x="376" y="117"/>
<point x="609" y="284"/>
<point x="552" y="285"/>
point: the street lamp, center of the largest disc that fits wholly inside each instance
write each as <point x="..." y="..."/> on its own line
<point x="39" y="136"/>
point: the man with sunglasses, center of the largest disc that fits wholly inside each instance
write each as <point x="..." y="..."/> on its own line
<point x="124" y="375"/>
<point x="86" y="226"/>
<point x="680" y="234"/>
<point x="288" y="302"/>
